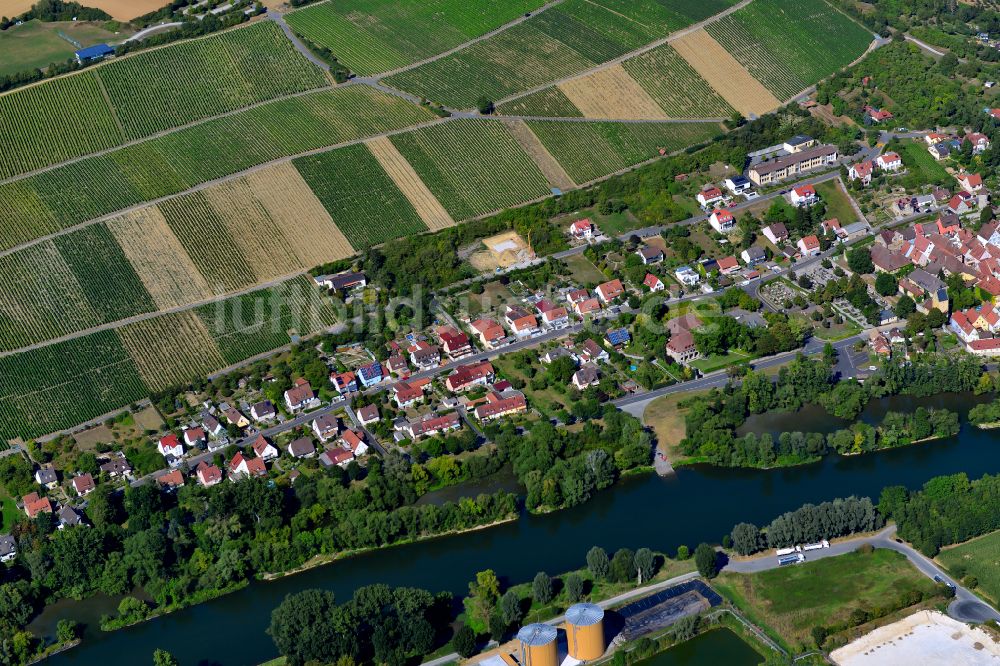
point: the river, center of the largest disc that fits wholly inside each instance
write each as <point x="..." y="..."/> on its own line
<point x="698" y="504"/>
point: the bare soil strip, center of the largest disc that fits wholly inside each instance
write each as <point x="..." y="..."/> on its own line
<point x="727" y="76"/>
<point x="409" y="183"/>
<point x="537" y="151"/>
<point x="169" y="350"/>
<point x="611" y="94"/>
<point x="256" y="236"/>
<point x="158" y="258"/>
<point x="299" y="215"/>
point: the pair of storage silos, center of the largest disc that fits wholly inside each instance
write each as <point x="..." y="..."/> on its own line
<point x="584" y="637"/>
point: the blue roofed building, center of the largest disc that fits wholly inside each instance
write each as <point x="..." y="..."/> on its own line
<point x="370" y="374"/>
<point x="93" y="53"/>
<point x="618" y="337"/>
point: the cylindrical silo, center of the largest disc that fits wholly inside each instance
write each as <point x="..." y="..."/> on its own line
<point x="538" y="645"/>
<point x="585" y="631"/>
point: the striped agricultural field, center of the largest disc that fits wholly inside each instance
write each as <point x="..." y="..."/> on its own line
<point x="406" y="179"/>
<point x="611" y="94"/>
<point x="675" y="86"/>
<point x="171" y="350"/>
<point x="536" y="150"/>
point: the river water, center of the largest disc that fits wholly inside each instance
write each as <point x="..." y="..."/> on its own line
<point x="698" y="504"/>
<point x="715" y="648"/>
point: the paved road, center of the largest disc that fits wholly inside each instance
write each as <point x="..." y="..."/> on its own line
<point x="966" y="607"/>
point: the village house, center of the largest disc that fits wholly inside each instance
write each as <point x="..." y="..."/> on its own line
<point x="556" y="318"/>
<point x="728" y="265"/>
<point x="583" y="229"/>
<point x="520" y="322"/>
<point x="263" y="411"/>
<point x="455" y="343"/>
<point x="687" y="276"/>
<point x="980" y="142"/>
<point x="172" y="480"/>
<point x="466" y="376"/>
<point x="653" y="283"/>
<point x="212" y="425"/>
<point x="424" y="355"/>
<point x="234" y="417"/>
<point x="34" y="505"/>
<point x="490" y="332"/>
<point x="8" y="548"/>
<point x="970" y="182"/>
<point x="587" y="306"/>
<point x="396" y="364"/>
<point x="609" y="291"/>
<point x="264" y="449"/>
<point x="803" y="195"/>
<point x="368" y="414"/>
<point x="83" y="484"/>
<point x="591" y="352"/>
<point x="336" y="457"/>
<point x="326" y="427"/>
<point x="577" y="295"/>
<point x="117" y="466"/>
<point x="617" y="337"/>
<point x="861" y="171"/>
<point x="195" y="437"/>
<point x="301" y="448"/>
<point x="208" y="475"/>
<point x="737" y="184"/>
<point x="170" y="446"/>
<point x="68" y="517"/>
<point x="355" y="441"/>
<point x="709" y="197"/>
<point x="889" y="162"/>
<point x="877" y="115"/>
<point x="46" y="477"/>
<point x="808" y="246"/>
<point x="786" y="166"/>
<point x="939" y="151"/>
<point x="300" y="396"/>
<point x="406" y="395"/>
<point x="242" y="467"/>
<point x="586" y="377"/>
<point x="777" y="233"/>
<point x="344" y="382"/>
<point x="887" y="261"/>
<point x="432" y="425"/>
<point x="342" y="283"/>
<point x="650" y="255"/>
<point x="557" y="353"/>
<point x="371" y="374"/>
<point x="722" y="220"/>
<point x="499" y="405"/>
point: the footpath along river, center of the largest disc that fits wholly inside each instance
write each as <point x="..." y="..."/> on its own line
<point x="698" y="504"/>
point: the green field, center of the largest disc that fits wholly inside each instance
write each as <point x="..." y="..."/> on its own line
<point x="790" y="601"/>
<point x="472" y="167"/>
<point x="171" y="349"/>
<point x="675" y="86"/>
<point x="557" y="43"/>
<point x="789" y="45"/>
<point x="362" y="200"/>
<point x="979" y="558"/>
<point x="837" y="203"/>
<point x="54" y="121"/>
<point x="592" y="150"/>
<point x="548" y="102"/>
<point x="71" y="194"/>
<point x="372" y="36"/>
<point x="257" y="322"/>
<point x="36" y="45"/>
<point x="172" y="86"/>
<point x="65" y="384"/>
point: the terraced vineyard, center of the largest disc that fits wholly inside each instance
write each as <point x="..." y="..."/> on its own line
<point x="675" y="86"/>
<point x="260" y="321"/>
<point x="171" y="350"/>
<point x="360" y="196"/>
<point x="472" y="167"/>
<point x="196" y="79"/>
<point x="65" y="384"/>
<point x="96" y="186"/>
<point x="549" y="102"/>
<point x="372" y="36"/>
<point x="54" y="121"/>
<point x="789" y="45"/>
<point x="557" y="43"/>
<point x="595" y="149"/>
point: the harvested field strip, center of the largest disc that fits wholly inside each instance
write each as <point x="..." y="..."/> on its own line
<point x="96" y="186"/>
<point x="65" y="384"/>
<point x="208" y="242"/>
<point x="171" y="350"/>
<point x="536" y="150"/>
<point x="41" y="298"/>
<point x="727" y="76"/>
<point x="406" y="179"/>
<point x="472" y="167"/>
<point x="54" y="121"/>
<point x="299" y="215"/>
<point x="549" y="102"/>
<point x="361" y="198"/>
<point x="104" y="273"/>
<point x="257" y="322"/>
<point x="611" y="94"/>
<point x="250" y="226"/>
<point x="675" y="85"/>
<point x="372" y="36"/>
<point x="158" y="258"/>
<point x="163" y="88"/>
<point x="593" y="150"/>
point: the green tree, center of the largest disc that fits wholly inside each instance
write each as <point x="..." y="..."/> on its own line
<point x="905" y="307"/>
<point x="510" y="607"/>
<point x="483" y="594"/>
<point x="859" y="260"/>
<point x="819" y="635"/>
<point x="746" y="538"/>
<point x="541" y="588"/>
<point x="163" y="658"/>
<point x="885" y="284"/>
<point x="464" y="641"/>
<point x="67" y="630"/>
<point x="645" y="564"/>
<point x="485" y="105"/>
<point x="597" y="562"/>
<point x="623" y="566"/>
<point x="706" y="560"/>
<point x="301" y="628"/>
<point x="574" y="587"/>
